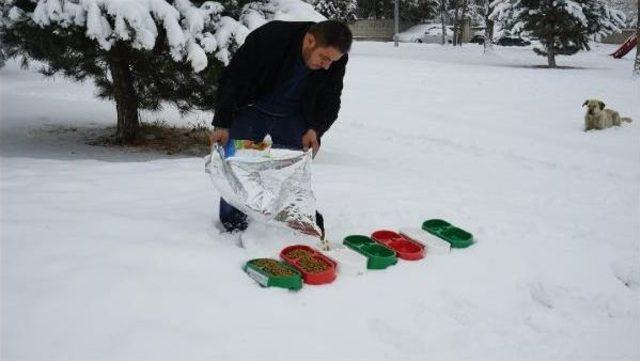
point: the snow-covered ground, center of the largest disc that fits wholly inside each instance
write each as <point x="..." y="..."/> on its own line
<point x="116" y="255"/>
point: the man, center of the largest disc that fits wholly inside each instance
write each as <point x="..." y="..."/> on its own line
<point x="286" y="81"/>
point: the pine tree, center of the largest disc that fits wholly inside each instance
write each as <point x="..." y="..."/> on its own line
<point x="559" y="24"/>
<point x="138" y="56"/>
<point x="563" y="26"/>
<point x="415" y="11"/>
<point x="342" y="10"/>
<point x="629" y="8"/>
<point x="502" y="15"/>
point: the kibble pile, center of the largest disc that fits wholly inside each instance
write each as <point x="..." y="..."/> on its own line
<point x="273" y="267"/>
<point x="306" y="261"/>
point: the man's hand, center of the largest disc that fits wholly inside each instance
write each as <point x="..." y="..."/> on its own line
<point x="310" y="140"/>
<point x="220" y="136"/>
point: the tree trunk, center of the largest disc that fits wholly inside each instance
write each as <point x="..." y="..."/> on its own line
<point x="488" y="28"/>
<point x="636" y="66"/>
<point x="551" y="55"/>
<point x="456" y="22"/>
<point x="125" y="96"/>
<point x="463" y="23"/>
<point x="443" y="10"/>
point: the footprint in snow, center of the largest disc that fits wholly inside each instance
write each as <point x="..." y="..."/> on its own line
<point x="404" y="341"/>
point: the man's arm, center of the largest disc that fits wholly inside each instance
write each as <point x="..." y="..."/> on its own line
<point x="329" y="98"/>
<point x="234" y="81"/>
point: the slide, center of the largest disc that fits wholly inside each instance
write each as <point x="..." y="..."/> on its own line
<point x="626" y="47"/>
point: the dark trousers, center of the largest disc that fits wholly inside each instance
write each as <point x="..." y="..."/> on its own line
<point x="286" y="131"/>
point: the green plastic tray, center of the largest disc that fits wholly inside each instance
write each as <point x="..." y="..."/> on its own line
<point x="266" y="279"/>
<point x="378" y="256"/>
<point x="457" y="237"/>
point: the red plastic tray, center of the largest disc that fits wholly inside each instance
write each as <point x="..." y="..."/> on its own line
<point x="405" y="248"/>
<point x="312" y="278"/>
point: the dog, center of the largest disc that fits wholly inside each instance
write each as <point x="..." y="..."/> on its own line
<point x="598" y="117"/>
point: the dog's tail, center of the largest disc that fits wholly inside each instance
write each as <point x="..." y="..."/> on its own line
<point x="626" y="119"/>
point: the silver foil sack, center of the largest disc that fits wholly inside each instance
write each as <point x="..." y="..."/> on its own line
<point x="272" y="189"/>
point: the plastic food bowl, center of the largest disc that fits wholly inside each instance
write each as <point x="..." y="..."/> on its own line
<point x="433" y="244"/>
<point x="405" y="248"/>
<point x="379" y="256"/>
<point x="350" y="263"/>
<point x="315" y="267"/>
<point x="272" y="273"/>
<point x="458" y="237"/>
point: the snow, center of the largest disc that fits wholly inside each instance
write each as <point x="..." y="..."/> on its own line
<point x="15" y="14"/>
<point x="256" y="14"/>
<point x="98" y="28"/>
<point x="574" y="9"/>
<point x="111" y="254"/>
<point x="431" y="32"/>
<point x="228" y="32"/>
<point x="196" y="56"/>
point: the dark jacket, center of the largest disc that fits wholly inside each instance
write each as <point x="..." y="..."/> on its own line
<point x="264" y="61"/>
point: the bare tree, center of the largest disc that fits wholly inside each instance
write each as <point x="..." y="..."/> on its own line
<point x="488" y="27"/>
<point x="443" y="18"/>
<point x="463" y="21"/>
<point x="456" y="20"/>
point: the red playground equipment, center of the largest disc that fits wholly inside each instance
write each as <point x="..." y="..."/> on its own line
<point x="626" y="47"/>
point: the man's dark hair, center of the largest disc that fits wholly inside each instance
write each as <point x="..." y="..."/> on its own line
<point x="332" y="33"/>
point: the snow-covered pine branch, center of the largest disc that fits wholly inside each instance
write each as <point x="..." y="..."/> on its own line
<point x="257" y="13"/>
<point x="190" y="31"/>
<point x="342" y="10"/>
<point x="140" y="53"/>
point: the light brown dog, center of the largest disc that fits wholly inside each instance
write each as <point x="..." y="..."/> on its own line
<point x="598" y="117"/>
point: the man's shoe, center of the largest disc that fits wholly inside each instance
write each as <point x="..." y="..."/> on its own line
<point x="239" y="226"/>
